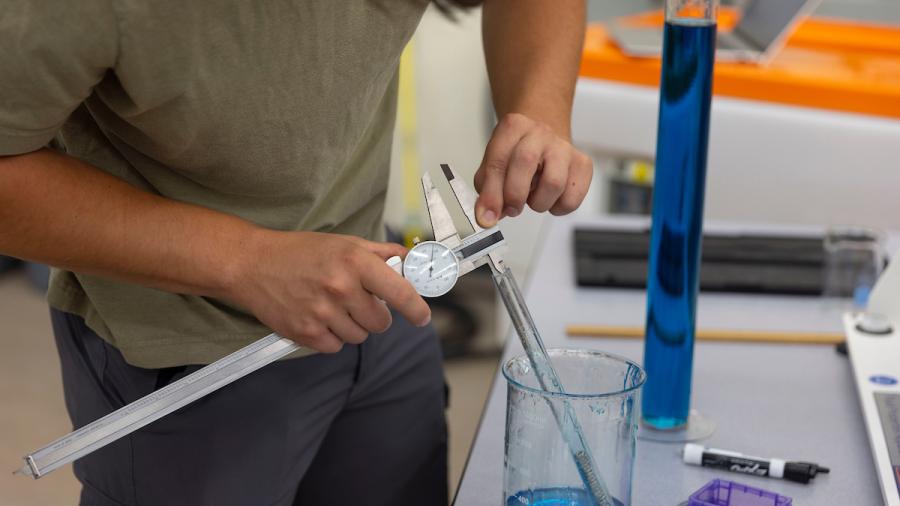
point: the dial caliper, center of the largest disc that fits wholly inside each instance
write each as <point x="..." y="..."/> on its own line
<point x="432" y="267"/>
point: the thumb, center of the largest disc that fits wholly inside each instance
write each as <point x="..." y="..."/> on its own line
<point x="492" y="175"/>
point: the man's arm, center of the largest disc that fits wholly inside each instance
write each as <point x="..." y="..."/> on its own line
<point x="533" y="50"/>
<point x="58" y="210"/>
<point x="314" y="288"/>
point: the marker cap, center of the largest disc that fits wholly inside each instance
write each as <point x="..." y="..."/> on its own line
<point x="693" y="454"/>
<point x="802" y="472"/>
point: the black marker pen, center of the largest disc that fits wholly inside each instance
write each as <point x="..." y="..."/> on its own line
<point x="800" y="472"/>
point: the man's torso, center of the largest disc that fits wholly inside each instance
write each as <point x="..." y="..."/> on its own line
<point x="278" y="112"/>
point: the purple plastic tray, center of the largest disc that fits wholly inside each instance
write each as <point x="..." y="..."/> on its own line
<point x="729" y="493"/>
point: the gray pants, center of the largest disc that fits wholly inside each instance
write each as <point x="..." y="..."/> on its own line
<point x="364" y="426"/>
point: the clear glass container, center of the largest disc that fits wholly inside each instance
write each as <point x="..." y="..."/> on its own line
<point x="602" y="393"/>
<point x="854" y="258"/>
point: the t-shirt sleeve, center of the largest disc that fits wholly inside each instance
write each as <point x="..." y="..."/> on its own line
<point x="52" y="54"/>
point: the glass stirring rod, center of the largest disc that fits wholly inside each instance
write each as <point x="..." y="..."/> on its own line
<point x="568" y="424"/>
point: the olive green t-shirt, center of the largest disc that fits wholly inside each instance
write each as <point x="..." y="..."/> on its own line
<point x="280" y="112"/>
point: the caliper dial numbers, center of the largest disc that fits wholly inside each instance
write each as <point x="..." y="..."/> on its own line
<point x="432" y="268"/>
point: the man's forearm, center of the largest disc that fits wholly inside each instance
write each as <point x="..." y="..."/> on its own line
<point x="58" y="210"/>
<point x="320" y="289"/>
<point x="533" y="49"/>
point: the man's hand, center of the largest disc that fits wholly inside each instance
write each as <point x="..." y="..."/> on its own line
<point x="532" y="49"/>
<point x="323" y="290"/>
<point x="527" y="162"/>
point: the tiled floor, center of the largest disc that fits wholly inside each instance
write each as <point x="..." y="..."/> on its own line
<point x="32" y="411"/>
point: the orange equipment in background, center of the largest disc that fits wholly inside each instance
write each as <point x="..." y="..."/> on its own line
<point x="826" y="63"/>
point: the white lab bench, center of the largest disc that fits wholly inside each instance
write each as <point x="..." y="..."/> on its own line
<point x="773" y="400"/>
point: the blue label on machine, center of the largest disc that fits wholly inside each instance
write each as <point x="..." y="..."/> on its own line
<point x="883" y="379"/>
<point x="889" y="412"/>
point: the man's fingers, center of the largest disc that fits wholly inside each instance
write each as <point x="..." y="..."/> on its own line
<point x="479" y="178"/>
<point x="523" y="164"/>
<point x="384" y="283"/>
<point x="370" y="313"/>
<point x="346" y="329"/>
<point x="550" y="183"/>
<point x="326" y="342"/>
<point x="581" y="171"/>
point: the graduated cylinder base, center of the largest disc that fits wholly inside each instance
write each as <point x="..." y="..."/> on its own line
<point x="664" y="422"/>
<point x="698" y="426"/>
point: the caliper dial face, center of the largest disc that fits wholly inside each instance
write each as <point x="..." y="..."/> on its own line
<point x="432" y="268"/>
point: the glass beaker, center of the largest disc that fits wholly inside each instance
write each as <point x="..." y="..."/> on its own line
<point x="854" y="258"/>
<point x="602" y="392"/>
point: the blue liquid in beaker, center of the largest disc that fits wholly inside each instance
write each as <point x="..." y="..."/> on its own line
<point x="558" y="496"/>
<point x="679" y="183"/>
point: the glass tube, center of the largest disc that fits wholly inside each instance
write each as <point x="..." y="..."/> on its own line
<point x="678" y="194"/>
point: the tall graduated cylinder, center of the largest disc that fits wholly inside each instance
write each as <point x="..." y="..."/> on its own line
<point x="678" y="191"/>
<point x="601" y="392"/>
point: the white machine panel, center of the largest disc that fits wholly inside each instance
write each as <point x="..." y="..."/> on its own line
<point x="876" y="369"/>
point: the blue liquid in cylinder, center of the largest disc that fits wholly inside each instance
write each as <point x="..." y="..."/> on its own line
<point x="678" y="193"/>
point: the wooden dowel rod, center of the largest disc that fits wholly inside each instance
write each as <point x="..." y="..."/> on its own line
<point x="763" y="336"/>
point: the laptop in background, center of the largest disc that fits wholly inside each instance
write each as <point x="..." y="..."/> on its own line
<point x="761" y="32"/>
